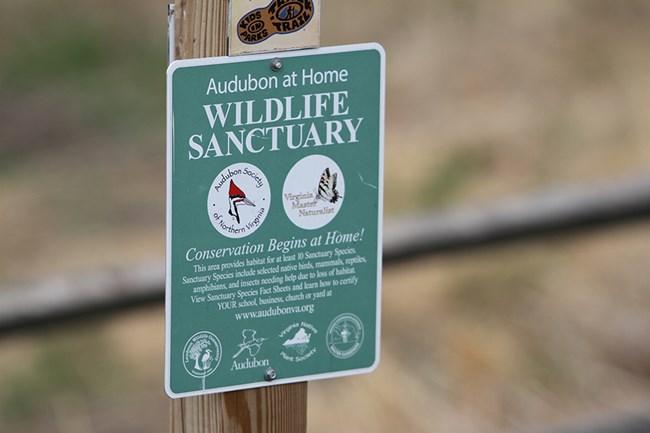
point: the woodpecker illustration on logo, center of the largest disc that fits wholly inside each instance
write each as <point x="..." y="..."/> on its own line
<point x="236" y="198"/>
<point x="246" y="190"/>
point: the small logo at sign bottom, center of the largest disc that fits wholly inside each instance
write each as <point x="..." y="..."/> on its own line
<point x="202" y="354"/>
<point x="345" y="336"/>
<point x="249" y="348"/>
<point x="298" y="346"/>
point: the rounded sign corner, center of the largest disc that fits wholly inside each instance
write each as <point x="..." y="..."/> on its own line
<point x="378" y="48"/>
<point x="375" y="363"/>
<point x="170" y="393"/>
<point x="172" y="67"/>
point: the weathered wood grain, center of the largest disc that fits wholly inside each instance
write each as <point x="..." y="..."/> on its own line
<point x="201" y="28"/>
<point x="201" y="31"/>
<point x="274" y="409"/>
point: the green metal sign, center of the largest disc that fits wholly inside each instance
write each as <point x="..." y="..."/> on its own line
<point x="274" y="209"/>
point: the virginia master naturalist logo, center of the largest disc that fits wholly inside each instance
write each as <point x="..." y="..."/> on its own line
<point x="279" y="16"/>
<point x="313" y="192"/>
<point x="239" y="200"/>
<point x="202" y="354"/>
<point x="345" y="335"/>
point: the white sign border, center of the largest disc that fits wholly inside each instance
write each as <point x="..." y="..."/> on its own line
<point x="380" y="218"/>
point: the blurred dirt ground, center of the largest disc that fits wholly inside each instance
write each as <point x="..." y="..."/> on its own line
<point x="485" y="100"/>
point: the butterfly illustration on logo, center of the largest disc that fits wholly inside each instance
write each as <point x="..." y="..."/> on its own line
<point x="236" y="198"/>
<point x="327" y="187"/>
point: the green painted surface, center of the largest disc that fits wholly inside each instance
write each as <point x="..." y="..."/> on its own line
<point x="267" y="290"/>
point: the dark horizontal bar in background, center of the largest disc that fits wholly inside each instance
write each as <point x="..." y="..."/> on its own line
<point x="551" y="211"/>
<point x="628" y="421"/>
<point x="61" y="298"/>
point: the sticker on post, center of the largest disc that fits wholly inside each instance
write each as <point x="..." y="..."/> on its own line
<point x="263" y="26"/>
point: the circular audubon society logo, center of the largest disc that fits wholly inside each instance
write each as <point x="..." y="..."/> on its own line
<point x="202" y="354"/>
<point x="345" y="336"/>
<point x="239" y="200"/>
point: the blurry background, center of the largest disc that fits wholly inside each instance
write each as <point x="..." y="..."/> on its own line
<point x="485" y="101"/>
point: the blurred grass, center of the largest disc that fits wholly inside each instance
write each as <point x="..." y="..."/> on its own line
<point x="445" y="180"/>
<point x="485" y="100"/>
<point x="488" y="292"/>
<point x="94" y="74"/>
<point x="61" y="365"/>
<point x="67" y="54"/>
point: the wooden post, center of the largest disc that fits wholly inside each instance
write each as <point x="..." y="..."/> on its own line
<point x="273" y="409"/>
<point x="200" y="31"/>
